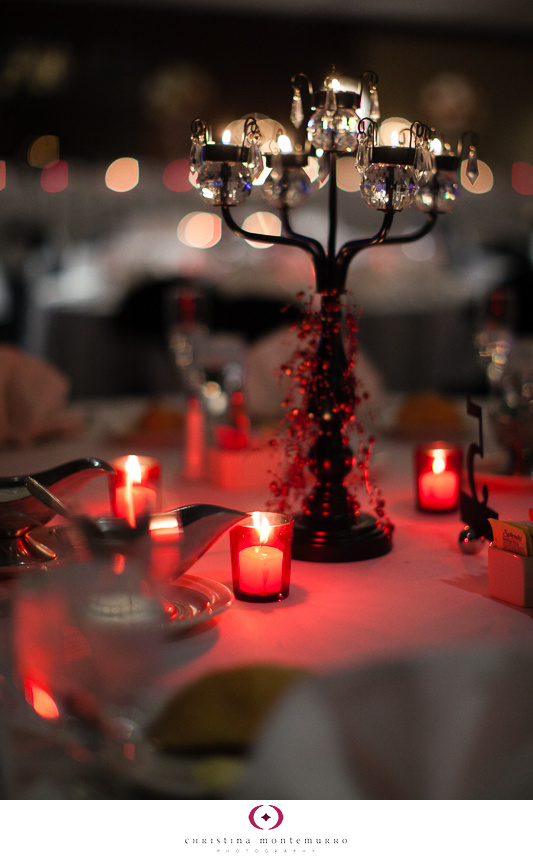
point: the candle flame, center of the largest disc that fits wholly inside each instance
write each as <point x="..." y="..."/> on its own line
<point x="438" y="464"/>
<point x="284" y="144"/>
<point x="262" y="525"/>
<point x="394" y="138"/>
<point x="40" y="699"/>
<point x="133" y="469"/>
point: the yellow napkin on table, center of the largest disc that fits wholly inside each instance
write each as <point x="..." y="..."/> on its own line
<point x="33" y="397"/>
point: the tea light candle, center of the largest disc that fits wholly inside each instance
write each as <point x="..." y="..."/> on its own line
<point x="260" y="569"/>
<point x="134" y="488"/>
<point x="261" y="558"/>
<point x="438" y="475"/>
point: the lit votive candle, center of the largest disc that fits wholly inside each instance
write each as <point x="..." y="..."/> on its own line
<point x="261" y="557"/>
<point x="134" y="487"/>
<point x="438" y="476"/>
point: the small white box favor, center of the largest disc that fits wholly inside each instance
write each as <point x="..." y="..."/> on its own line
<point x="510" y="577"/>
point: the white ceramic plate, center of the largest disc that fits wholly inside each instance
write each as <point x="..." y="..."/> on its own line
<point x="195" y="599"/>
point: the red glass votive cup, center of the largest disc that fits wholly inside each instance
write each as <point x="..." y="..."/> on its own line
<point x="438" y="476"/>
<point x="134" y="488"/>
<point x="260" y="549"/>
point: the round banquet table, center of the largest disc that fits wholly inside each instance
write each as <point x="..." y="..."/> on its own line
<point x="424" y="594"/>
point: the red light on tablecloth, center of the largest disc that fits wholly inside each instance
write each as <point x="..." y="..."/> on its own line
<point x="134" y="487"/>
<point x="438" y="476"/>
<point x="261" y="557"/>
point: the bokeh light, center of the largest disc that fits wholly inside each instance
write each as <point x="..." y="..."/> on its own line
<point x="522" y="178"/>
<point x="262" y="223"/>
<point x="122" y="175"/>
<point x="484" y="181"/>
<point x="176" y="175"/>
<point x="43" y="151"/>
<point x="200" y="229"/>
<point x="348" y="179"/>
<point x="312" y="169"/>
<point x="54" y="177"/>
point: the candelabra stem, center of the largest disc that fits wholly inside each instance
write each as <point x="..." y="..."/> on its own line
<point x="332" y="237"/>
<point x="331" y="526"/>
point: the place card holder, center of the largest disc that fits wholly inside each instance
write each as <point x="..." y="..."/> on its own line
<point x="510" y="577"/>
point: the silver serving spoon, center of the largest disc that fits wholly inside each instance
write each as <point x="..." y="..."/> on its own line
<point x="40" y="492"/>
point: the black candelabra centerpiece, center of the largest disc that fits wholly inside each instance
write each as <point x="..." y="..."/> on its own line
<point x="331" y="525"/>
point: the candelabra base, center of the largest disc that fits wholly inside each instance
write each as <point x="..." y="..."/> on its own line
<point x="364" y="539"/>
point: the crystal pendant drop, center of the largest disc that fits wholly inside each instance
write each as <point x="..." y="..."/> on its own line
<point x="419" y="164"/>
<point x="255" y="160"/>
<point x="195" y="159"/>
<point x="374" y="113"/>
<point x="297" y="113"/>
<point x="323" y="170"/>
<point x="198" y="141"/>
<point x="472" y="168"/>
<point x="362" y="158"/>
<point x="330" y="103"/>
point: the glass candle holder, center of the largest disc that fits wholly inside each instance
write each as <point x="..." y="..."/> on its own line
<point x="261" y="557"/>
<point x="438" y="476"/>
<point x="135" y="486"/>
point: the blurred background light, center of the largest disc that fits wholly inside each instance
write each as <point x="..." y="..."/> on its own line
<point x="122" y="175"/>
<point x="484" y="181"/>
<point x="200" y="229"/>
<point x="522" y="178"/>
<point x="43" y="150"/>
<point x="54" y="177"/>
<point x="262" y="223"/>
<point x="176" y="175"/>
<point x="348" y="178"/>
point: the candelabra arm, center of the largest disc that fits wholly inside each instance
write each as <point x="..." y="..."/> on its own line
<point x="313" y="246"/>
<point x="414" y="236"/>
<point x="351" y="248"/>
<point x="310" y="246"/>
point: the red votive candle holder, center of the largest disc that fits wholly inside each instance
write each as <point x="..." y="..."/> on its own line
<point x="438" y="476"/>
<point x="134" y="487"/>
<point x="260" y="549"/>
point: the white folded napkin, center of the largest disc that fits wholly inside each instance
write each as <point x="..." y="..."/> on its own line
<point x="455" y="725"/>
<point x="33" y="397"/>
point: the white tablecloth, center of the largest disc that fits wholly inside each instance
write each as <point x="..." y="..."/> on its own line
<point x="424" y="596"/>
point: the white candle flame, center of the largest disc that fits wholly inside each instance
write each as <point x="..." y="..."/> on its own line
<point x="133" y="476"/>
<point x="133" y="469"/>
<point x="284" y="144"/>
<point x="262" y="525"/>
<point x="439" y="464"/>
